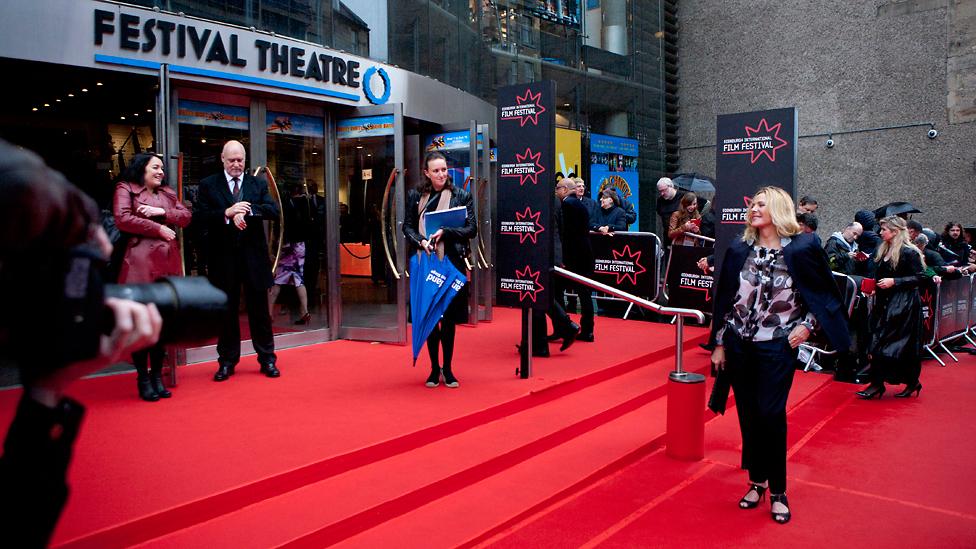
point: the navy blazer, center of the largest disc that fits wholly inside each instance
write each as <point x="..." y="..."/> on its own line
<point x="575" y="236"/>
<point x="807" y="264"/>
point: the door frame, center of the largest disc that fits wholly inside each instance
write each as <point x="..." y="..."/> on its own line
<point x="393" y="334"/>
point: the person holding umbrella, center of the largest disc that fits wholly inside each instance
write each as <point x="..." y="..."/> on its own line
<point x="437" y="192"/>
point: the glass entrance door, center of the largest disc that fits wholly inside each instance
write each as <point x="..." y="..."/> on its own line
<point x="369" y="243"/>
<point x="466" y="147"/>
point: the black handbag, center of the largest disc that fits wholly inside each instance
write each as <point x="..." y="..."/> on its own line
<point x="720" y="393"/>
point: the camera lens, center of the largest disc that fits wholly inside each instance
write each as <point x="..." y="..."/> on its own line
<point x="191" y="307"/>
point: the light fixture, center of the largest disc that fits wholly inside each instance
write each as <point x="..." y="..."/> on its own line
<point x="369" y="154"/>
<point x="202" y="140"/>
<point x="47" y="104"/>
<point x="135" y="114"/>
<point x="57" y="100"/>
<point x="34" y="109"/>
<point x="98" y="83"/>
<point x="71" y="95"/>
<point x="84" y="89"/>
<point x="148" y="110"/>
<point x="359" y="146"/>
<point x="565" y="104"/>
<point x="314" y="153"/>
<point x="121" y="118"/>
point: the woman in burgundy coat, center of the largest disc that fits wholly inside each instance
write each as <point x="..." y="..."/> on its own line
<point x="148" y="213"/>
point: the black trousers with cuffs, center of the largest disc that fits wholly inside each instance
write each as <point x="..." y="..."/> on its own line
<point x="761" y="373"/>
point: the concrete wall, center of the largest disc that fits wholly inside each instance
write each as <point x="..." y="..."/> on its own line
<point x="846" y="65"/>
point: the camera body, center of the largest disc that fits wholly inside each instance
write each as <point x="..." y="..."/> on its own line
<point x="933" y="133"/>
<point x="830" y="143"/>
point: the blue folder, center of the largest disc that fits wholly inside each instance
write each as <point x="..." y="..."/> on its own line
<point x="451" y="217"/>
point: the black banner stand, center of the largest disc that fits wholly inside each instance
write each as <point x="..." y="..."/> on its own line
<point x="526" y="152"/>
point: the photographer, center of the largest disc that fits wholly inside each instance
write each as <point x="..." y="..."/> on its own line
<point x="49" y="236"/>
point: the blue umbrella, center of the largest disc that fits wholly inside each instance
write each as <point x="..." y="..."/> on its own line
<point x="434" y="282"/>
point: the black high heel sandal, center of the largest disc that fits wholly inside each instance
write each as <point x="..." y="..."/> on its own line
<point x="871" y="392"/>
<point x="759" y="490"/>
<point x="780" y="518"/>
<point x="909" y="389"/>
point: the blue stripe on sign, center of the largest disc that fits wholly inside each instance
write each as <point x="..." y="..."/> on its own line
<point x="224" y="76"/>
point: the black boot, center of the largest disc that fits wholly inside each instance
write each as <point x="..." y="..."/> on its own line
<point x="156" y="378"/>
<point x="449" y="379"/>
<point x="434" y="379"/>
<point x="146" y="391"/>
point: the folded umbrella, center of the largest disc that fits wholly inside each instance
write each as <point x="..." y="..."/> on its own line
<point x="434" y="282"/>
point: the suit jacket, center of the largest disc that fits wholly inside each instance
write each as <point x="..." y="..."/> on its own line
<point x="226" y="245"/>
<point x="575" y="235"/>
<point x="807" y="265"/>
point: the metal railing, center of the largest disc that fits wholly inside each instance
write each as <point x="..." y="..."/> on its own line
<point x="679" y="314"/>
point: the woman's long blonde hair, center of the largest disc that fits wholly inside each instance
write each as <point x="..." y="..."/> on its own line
<point x="892" y="248"/>
<point x="781" y="210"/>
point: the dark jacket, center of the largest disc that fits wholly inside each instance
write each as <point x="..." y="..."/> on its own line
<point x="630" y="214"/>
<point x="575" y="236"/>
<point x="896" y="320"/>
<point x="667" y="207"/>
<point x="955" y="252"/>
<point x="456" y="239"/>
<point x="225" y="243"/>
<point x="615" y="218"/>
<point x="807" y="265"/>
<point x="838" y="250"/>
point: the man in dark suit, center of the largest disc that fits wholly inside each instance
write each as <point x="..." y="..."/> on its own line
<point x="562" y="325"/>
<point x="577" y="254"/>
<point x="233" y="205"/>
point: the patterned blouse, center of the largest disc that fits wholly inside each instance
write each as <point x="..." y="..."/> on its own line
<point x="766" y="306"/>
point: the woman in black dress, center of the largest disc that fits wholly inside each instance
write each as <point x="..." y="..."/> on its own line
<point x="895" y="350"/>
<point x="437" y="192"/>
<point x="774" y="289"/>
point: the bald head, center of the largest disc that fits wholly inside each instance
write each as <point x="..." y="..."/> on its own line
<point x="233" y="157"/>
<point x="565" y="187"/>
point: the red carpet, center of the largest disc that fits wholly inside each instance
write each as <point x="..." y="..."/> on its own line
<point x="349" y="448"/>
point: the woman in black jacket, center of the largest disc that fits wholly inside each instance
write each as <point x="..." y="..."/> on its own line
<point x="609" y="217"/>
<point x="437" y="192"/>
<point x="774" y="289"/>
<point x="896" y="319"/>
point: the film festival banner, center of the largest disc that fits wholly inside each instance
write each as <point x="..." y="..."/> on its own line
<point x="752" y="150"/>
<point x="626" y="261"/>
<point x="526" y="150"/>
<point x="613" y="165"/>
<point x="954" y="302"/>
<point x="688" y="286"/>
<point x="927" y="292"/>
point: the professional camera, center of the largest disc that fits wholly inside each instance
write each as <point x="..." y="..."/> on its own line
<point x="933" y="133"/>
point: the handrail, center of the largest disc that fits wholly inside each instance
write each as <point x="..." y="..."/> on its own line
<point x="273" y="190"/>
<point x="700" y="237"/>
<point x="383" y="212"/>
<point x="678" y="313"/>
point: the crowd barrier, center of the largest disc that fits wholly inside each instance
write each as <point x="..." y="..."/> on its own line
<point x="627" y="261"/>
<point x="948" y="314"/>
<point x="685" y="285"/>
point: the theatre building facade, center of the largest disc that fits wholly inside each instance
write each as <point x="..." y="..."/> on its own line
<point x="338" y="135"/>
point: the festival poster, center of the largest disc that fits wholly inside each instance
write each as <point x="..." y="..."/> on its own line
<point x="613" y="164"/>
<point x="626" y="261"/>
<point x="365" y="126"/>
<point x="526" y="149"/>
<point x="455" y="146"/>
<point x="199" y="113"/>
<point x="295" y="124"/>
<point x="689" y="287"/>
<point x="753" y="150"/>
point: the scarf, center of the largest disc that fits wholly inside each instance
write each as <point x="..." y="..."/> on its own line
<point x="424" y="205"/>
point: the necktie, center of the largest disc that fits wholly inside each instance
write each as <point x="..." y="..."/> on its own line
<point x="237" y="188"/>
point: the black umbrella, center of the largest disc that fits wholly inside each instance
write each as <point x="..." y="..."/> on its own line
<point x="895" y="208"/>
<point x="694" y="182"/>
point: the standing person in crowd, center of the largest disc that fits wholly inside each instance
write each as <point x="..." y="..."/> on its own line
<point x="775" y="287"/>
<point x="149" y="211"/>
<point x="578" y="257"/>
<point x="687" y="219"/>
<point x="668" y="202"/>
<point x="808" y="222"/>
<point x="954" y="248"/>
<point x="234" y="204"/>
<point x="807" y="204"/>
<point x="914" y="229"/>
<point x="896" y="320"/>
<point x="563" y="326"/>
<point x="609" y="216"/>
<point x="630" y="214"/>
<point x="933" y="260"/>
<point x="588" y="202"/>
<point x="841" y="249"/>
<point x="868" y="242"/>
<point x="291" y="265"/>
<point x="438" y="192"/>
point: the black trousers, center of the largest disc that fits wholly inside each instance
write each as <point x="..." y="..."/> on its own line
<point x="258" y="319"/>
<point x="561" y="322"/>
<point x="762" y="374"/>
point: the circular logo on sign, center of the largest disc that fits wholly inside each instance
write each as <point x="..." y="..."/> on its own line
<point x="368" y="86"/>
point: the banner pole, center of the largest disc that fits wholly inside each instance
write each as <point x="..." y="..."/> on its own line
<point x="525" y="350"/>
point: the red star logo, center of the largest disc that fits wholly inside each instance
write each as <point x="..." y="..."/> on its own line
<point x="528" y="274"/>
<point x="627" y="255"/>
<point x="529" y="99"/>
<point x="534" y="158"/>
<point x="763" y="128"/>
<point x="527" y="214"/>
